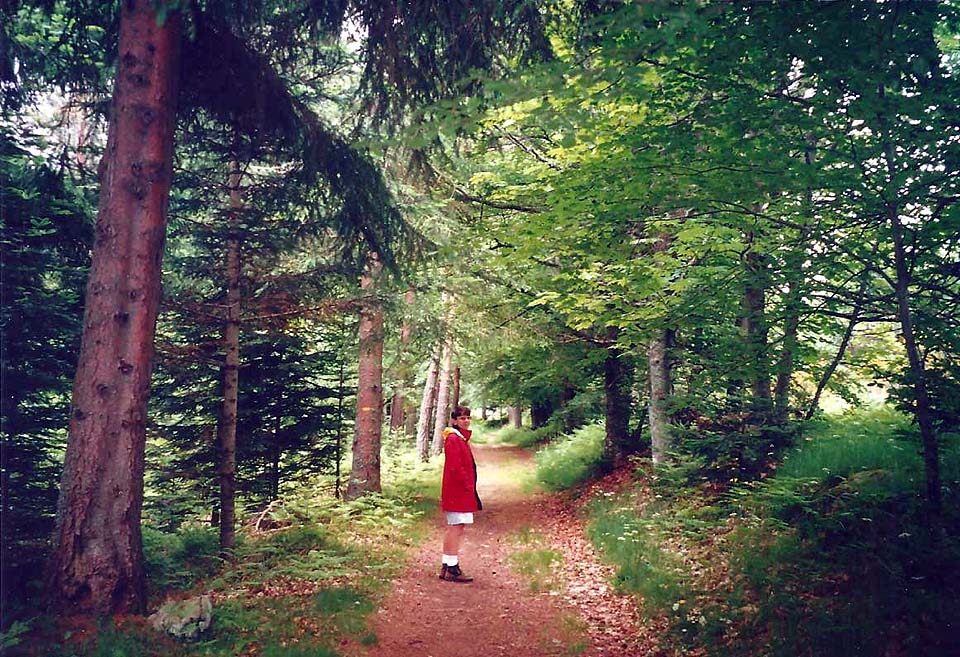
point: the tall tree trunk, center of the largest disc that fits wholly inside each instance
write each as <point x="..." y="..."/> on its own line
<point x="571" y="420"/>
<point x="540" y="412"/>
<point x="515" y="413"/>
<point x="443" y="395"/>
<point x="660" y="391"/>
<point x="96" y="566"/>
<point x="365" y="475"/>
<point x="918" y="376"/>
<point x="275" y="456"/>
<point x="455" y="395"/>
<point x="755" y="329"/>
<point x="410" y="418"/>
<point x="921" y="409"/>
<point x="426" y="410"/>
<point x="617" y="382"/>
<point x="339" y="447"/>
<point x="794" y="303"/>
<point x="227" y="431"/>
<point x="398" y="405"/>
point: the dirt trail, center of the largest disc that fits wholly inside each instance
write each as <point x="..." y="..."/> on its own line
<point x="498" y="614"/>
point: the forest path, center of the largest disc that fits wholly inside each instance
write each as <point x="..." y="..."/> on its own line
<point x="499" y="613"/>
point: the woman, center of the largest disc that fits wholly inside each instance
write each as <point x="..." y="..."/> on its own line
<point x="458" y="494"/>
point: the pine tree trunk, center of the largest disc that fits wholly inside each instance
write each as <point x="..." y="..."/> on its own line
<point x="96" y="566"/>
<point x="276" y="456"/>
<point x="660" y="390"/>
<point x="426" y="410"/>
<point x="365" y="475"/>
<point x="442" y="419"/>
<point x="398" y="405"/>
<point x="227" y="429"/>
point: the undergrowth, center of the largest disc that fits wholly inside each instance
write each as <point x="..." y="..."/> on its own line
<point x="303" y="584"/>
<point x="569" y="460"/>
<point x="832" y="554"/>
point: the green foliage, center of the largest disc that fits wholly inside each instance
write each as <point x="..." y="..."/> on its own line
<point x="570" y="460"/>
<point x="45" y="232"/>
<point x="177" y="560"/>
<point x="13" y="635"/>
<point x="840" y="552"/>
<point x="633" y="542"/>
<point x="833" y="553"/>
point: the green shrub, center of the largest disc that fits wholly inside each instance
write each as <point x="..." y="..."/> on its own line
<point x="632" y="542"/>
<point x="176" y="560"/>
<point x="572" y="459"/>
<point x="842" y="556"/>
<point x="522" y="437"/>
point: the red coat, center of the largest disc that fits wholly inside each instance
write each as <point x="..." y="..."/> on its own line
<point x="459" y="489"/>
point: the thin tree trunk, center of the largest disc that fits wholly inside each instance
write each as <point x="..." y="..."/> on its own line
<point x="365" y="475"/>
<point x="455" y="395"/>
<point x="515" y="413"/>
<point x="96" y="566"/>
<point x="426" y="410"/>
<point x="617" y="381"/>
<point x="227" y="431"/>
<point x="339" y="448"/>
<point x="570" y="419"/>
<point x="277" y="454"/>
<point x="794" y="304"/>
<point x="398" y="405"/>
<point x="918" y="376"/>
<point x="660" y="390"/>
<point x="442" y="420"/>
<point x="755" y="328"/>
<point x="844" y="342"/>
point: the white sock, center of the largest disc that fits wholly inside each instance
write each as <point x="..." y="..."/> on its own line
<point x="450" y="560"/>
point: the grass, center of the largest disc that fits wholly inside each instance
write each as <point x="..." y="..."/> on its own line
<point x="833" y="554"/>
<point x="300" y="588"/>
<point x="635" y="542"/>
<point x="536" y="563"/>
<point x="570" y="460"/>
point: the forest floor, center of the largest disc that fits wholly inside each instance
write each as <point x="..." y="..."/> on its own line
<point x="539" y="588"/>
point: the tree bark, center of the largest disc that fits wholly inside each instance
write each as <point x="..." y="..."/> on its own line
<point x="455" y="395"/>
<point x="96" y="566"/>
<point x="365" y="475"/>
<point x="540" y="412"/>
<point x="442" y="420"/>
<point x="660" y="390"/>
<point x="617" y="381"/>
<point x="793" y="305"/>
<point x="754" y="325"/>
<point x="921" y="409"/>
<point x="426" y="410"/>
<point x="515" y="413"/>
<point x="227" y="429"/>
<point x="398" y="404"/>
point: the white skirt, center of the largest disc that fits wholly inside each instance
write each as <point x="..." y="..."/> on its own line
<point x="457" y="518"/>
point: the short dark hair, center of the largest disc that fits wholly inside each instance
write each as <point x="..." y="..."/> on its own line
<point x="460" y="411"/>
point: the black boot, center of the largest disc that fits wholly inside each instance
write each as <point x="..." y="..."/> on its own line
<point x="454" y="574"/>
<point x="443" y="571"/>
